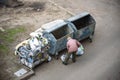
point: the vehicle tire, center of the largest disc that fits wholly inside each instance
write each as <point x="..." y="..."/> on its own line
<point x="56" y="56"/>
<point x="90" y="38"/>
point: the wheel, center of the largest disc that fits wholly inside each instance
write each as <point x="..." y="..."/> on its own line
<point x="56" y="56"/>
<point x="90" y="38"/>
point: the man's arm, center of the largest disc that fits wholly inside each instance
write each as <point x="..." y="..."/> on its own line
<point x="78" y="43"/>
<point x="67" y="46"/>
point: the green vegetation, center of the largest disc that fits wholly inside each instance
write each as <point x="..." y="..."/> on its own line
<point x="7" y="37"/>
<point x="3" y="48"/>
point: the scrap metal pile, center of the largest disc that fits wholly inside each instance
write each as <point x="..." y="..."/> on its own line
<point x="33" y="51"/>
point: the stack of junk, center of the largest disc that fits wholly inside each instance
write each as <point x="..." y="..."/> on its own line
<point x="34" y="50"/>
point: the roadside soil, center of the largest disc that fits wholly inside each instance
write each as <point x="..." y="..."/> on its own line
<point x="31" y="16"/>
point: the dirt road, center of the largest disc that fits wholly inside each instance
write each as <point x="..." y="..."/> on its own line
<point x="101" y="60"/>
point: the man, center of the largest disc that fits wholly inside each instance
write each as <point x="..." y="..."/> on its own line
<point x="72" y="47"/>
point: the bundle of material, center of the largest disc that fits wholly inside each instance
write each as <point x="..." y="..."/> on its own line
<point x="33" y="51"/>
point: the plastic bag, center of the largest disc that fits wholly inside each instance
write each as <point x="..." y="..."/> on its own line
<point x="63" y="57"/>
<point x="80" y="51"/>
<point x="49" y="58"/>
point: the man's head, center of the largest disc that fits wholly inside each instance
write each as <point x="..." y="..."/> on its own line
<point x="69" y="38"/>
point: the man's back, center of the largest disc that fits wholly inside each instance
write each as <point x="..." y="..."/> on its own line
<point x="72" y="45"/>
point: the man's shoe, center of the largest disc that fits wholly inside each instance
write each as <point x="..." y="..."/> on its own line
<point x="74" y="61"/>
<point x="64" y="63"/>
